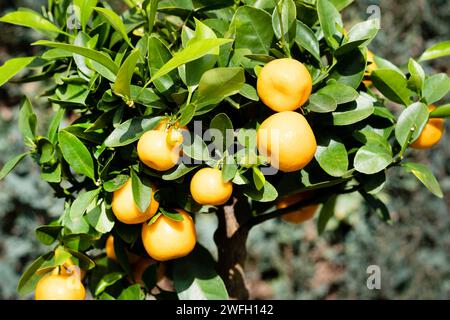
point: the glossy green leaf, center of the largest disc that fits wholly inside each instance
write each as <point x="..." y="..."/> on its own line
<point x="178" y="172"/>
<point x="122" y="85"/>
<point x="329" y="17"/>
<point x="116" y="183"/>
<point x="223" y="134"/>
<point x="48" y="234"/>
<point x="101" y="218"/>
<point x="436" y="87"/>
<point x="31" y="20"/>
<point x="392" y="85"/>
<point x="321" y="103"/>
<point x="116" y="22"/>
<point x="106" y="281"/>
<point x="195" y="277"/>
<point x="306" y="39"/>
<point x="27" y="121"/>
<point x="285" y="28"/>
<point x="415" y="118"/>
<point x="439" y="50"/>
<point x="353" y="112"/>
<point x="29" y="278"/>
<point x="424" y="174"/>
<point x="417" y="73"/>
<point x="12" y="67"/>
<point x="133" y="292"/>
<point x="332" y="156"/>
<point x="11" y="164"/>
<point x="373" y="157"/>
<point x="82" y="202"/>
<point x="142" y="191"/>
<point x="158" y="56"/>
<point x="341" y="93"/>
<point x="326" y="213"/>
<point x="130" y="131"/>
<point x="98" y="56"/>
<point x="266" y="194"/>
<point x="441" y="112"/>
<point x="76" y="154"/>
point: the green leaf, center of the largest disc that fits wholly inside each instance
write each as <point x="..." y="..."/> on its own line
<point x="354" y="112"/>
<point x="224" y="134"/>
<point x="424" y="174"/>
<point x="133" y="292"/>
<point x="11" y="164"/>
<point x="48" y="234"/>
<point x="441" y="112"/>
<point x="76" y="154"/>
<point x="31" y="20"/>
<point x="386" y="64"/>
<point x="186" y="115"/>
<point x="78" y="242"/>
<point x="116" y="22"/>
<point x="349" y="68"/>
<point x="326" y="213"/>
<point x="12" y="67"/>
<point x="84" y="9"/>
<point x="341" y="4"/>
<point x="253" y="30"/>
<point x="392" y="85"/>
<point x="373" y="157"/>
<point x="377" y="205"/>
<point x="51" y="174"/>
<point x="82" y="202"/>
<point x="258" y="178"/>
<point x="439" y="50"/>
<point x="341" y="93"/>
<point x="249" y="92"/>
<point x="52" y="132"/>
<point x="417" y="78"/>
<point x="193" y="52"/>
<point x="27" y="121"/>
<point x="321" y="103"/>
<point x="288" y="13"/>
<point x="84" y="262"/>
<point x="116" y="183"/>
<point x="332" y="156"/>
<point x="98" y="56"/>
<point x="29" y="278"/>
<point x="306" y="39"/>
<point x="366" y="30"/>
<point x="229" y="168"/>
<point x="172" y="215"/>
<point x="415" y="118"/>
<point x="177" y="172"/>
<point x="106" y="281"/>
<point x="142" y="191"/>
<point x="122" y="85"/>
<point x="196" y="149"/>
<point x="329" y="17"/>
<point x="218" y="83"/>
<point x="195" y="277"/>
<point x="158" y="56"/>
<point x="436" y="87"/>
<point x="267" y="194"/>
<point x="130" y="131"/>
<point x="101" y="218"/>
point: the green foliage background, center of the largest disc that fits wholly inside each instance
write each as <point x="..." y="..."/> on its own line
<point x="285" y="261"/>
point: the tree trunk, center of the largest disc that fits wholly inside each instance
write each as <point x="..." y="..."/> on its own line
<point x="230" y="238"/>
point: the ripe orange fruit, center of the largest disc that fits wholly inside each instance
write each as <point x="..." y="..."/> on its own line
<point x="371" y="66"/>
<point x="284" y="84"/>
<point x="126" y="210"/>
<point x="109" y="248"/>
<point x="208" y="187"/>
<point x="69" y="268"/>
<point x="55" y="286"/>
<point x="174" y="132"/>
<point x="431" y="134"/>
<point x="167" y="239"/>
<point x="156" y="150"/>
<point x="287" y="140"/>
<point x="299" y="215"/>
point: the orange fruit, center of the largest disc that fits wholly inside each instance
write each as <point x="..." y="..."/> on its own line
<point x="159" y="150"/>
<point x="167" y="239"/>
<point x="298" y="215"/>
<point x="126" y="210"/>
<point x="70" y="268"/>
<point x="284" y="84"/>
<point x="208" y="187"/>
<point x="60" y="287"/>
<point x="371" y="66"/>
<point x="109" y="248"/>
<point x="174" y="132"/>
<point x="287" y="140"/>
<point x="431" y="134"/>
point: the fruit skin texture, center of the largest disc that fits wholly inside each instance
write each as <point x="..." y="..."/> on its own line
<point x="155" y="152"/>
<point x="60" y="287"/>
<point x="287" y="140"/>
<point x="166" y="239"/>
<point x="126" y="210"/>
<point x="299" y="215"/>
<point x="284" y="84"/>
<point x="431" y="134"/>
<point x="208" y="187"/>
<point x="371" y="66"/>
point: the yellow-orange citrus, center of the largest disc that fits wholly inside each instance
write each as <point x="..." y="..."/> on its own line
<point x="69" y="268"/>
<point x="431" y="134"/>
<point x="299" y="215"/>
<point x="155" y="151"/>
<point x="167" y="239"/>
<point x="59" y="287"/>
<point x="208" y="187"/>
<point x="284" y="84"/>
<point x="287" y="140"/>
<point x="126" y="210"/>
<point x="174" y="132"/>
<point x="371" y="66"/>
<point x="109" y="248"/>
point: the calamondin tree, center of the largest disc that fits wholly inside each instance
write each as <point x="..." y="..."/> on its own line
<point x="249" y="110"/>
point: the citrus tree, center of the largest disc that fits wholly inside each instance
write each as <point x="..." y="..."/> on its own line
<point x="250" y="110"/>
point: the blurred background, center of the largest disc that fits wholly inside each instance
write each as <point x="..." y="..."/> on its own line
<point x="284" y="261"/>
